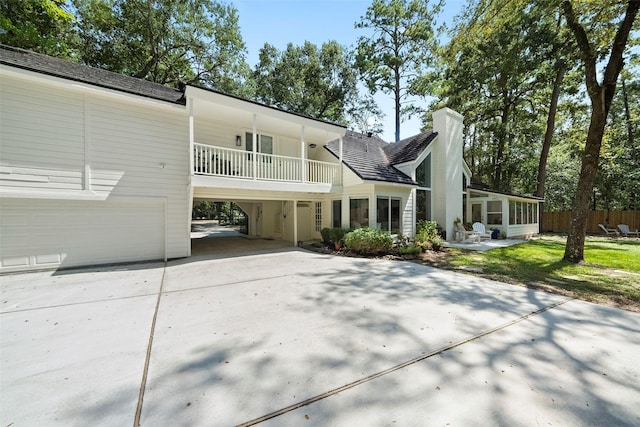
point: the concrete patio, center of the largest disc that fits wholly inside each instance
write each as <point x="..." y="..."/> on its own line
<point x="286" y="337"/>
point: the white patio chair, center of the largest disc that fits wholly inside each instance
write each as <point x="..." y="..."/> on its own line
<point x="478" y="227"/>
<point x="609" y="231"/>
<point x="626" y="232"/>
<point x="467" y="236"/>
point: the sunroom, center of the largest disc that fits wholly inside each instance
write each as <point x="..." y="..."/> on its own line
<point x="514" y="216"/>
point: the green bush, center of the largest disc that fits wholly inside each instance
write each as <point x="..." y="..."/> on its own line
<point x="426" y="231"/>
<point x="369" y="241"/>
<point x="437" y="243"/>
<point x="410" y="249"/>
<point x="326" y="235"/>
<point x="336" y="234"/>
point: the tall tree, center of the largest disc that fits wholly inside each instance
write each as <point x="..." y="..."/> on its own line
<point x="317" y="82"/>
<point x="601" y="96"/>
<point x="43" y="26"/>
<point x="165" y="41"/>
<point x="399" y="49"/>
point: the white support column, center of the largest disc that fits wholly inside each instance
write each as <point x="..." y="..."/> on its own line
<point x="254" y="139"/>
<point x="303" y="175"/>
<point x="295" y="223"/>
<point x="191" y="138"/>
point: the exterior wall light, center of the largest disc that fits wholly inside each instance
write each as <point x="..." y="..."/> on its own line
<point x="238" y="140"/>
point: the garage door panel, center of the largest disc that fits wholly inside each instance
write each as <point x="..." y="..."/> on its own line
<point x="50" y="233"/>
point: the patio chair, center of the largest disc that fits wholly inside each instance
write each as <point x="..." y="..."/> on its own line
<point x="478" y="227"/>
<point x="467" y="236"/>
<point x="626" y="232"/>
<point x="609" y="231"/>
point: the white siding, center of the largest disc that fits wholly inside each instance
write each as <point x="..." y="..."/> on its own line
<point x="41" y="136"/>
<point x="61" y="233"/>
<point x="142" y="152"/>
<point x="134" y="150"/>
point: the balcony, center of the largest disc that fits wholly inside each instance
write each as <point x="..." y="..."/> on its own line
<point x="240" y="164"/>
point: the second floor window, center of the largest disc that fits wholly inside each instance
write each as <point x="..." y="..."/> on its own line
<point x="265" y="143"/>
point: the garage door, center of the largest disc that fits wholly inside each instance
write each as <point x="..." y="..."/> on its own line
<point x="38" y="234"/>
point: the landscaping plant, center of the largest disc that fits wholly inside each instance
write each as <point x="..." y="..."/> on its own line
<point x="368" y="241"/>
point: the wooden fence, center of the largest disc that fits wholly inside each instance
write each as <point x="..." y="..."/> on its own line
<point x="558" y="222"/>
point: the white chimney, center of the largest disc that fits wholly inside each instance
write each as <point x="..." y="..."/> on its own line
<point x="446" y="179"/>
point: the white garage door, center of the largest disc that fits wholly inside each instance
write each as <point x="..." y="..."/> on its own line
<point x="62" y="233"/>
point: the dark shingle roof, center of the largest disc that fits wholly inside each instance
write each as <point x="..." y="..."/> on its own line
<point x="371" y="158"/>
<point x="44" y="64"/>
<point x="409" y="149"/>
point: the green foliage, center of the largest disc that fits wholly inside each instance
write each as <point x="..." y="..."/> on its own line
<point x="426" y="232"/>
<point x="410" y="249"/>
<point x="44" y="26"/>
<point x="368" y="241"/>
<point x="165" y="41"/>
<point x="336" y="234"/>
<point x="316" y="82"/>
<point x="437" y="243"/>
<point x="399" y="48"/>
<point x="326" y="235"/>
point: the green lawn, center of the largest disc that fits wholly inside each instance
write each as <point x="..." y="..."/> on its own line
<point x="610" y="274"/>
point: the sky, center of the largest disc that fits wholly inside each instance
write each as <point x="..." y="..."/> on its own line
<point x="280" y="22"/>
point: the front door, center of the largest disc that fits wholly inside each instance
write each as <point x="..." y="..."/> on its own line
<point x="304" y="221"/>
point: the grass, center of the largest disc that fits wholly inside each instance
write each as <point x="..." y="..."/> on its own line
<point x="610" y="274"/>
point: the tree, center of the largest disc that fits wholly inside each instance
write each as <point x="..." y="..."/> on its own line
<point x="316" y="82"/>
<point x="400" y="48"/>
<point x="43" y="26"/>
<point x="165" y="41"/>
<point x="498" y="71"/>
<point x="601" y="96"/>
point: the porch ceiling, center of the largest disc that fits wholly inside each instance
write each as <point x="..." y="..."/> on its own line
<point x="209" y="105"/>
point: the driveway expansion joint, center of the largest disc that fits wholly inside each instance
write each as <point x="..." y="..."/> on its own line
<point x="145" y="371"/>
<point x="398" y="367"/>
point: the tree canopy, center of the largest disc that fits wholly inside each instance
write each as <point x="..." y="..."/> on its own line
<point x="164" y="41"/>
<point x="399" y="50"/>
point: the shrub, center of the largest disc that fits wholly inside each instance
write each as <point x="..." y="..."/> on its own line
<point x="410" y="249"/>
<point x="369" y="241"/>
<point x="426" y="231"/>
<point x="326" y="235"/>
<point x="336" y="234"/>
<point x="437" y="243"/>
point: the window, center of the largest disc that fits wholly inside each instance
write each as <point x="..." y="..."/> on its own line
<point x="494" y="212"/>
<point x="318" y="216"/>
<point x="476" y="212"/>
<point x="523" y="213"/>
<point x="423" y="205"/>
<point x="423" y="173"/>
<point x="359" y="213"/>
<point x="265" y="143"/>
<point x="388" y="214"/>
<point x="336" y="213"/>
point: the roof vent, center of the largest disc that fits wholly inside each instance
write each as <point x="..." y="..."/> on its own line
<point x="369" y="134"/>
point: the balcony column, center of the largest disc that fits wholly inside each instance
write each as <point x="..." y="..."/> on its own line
<point x="191" y="139"/>
<point x="295" y="223"/>
<point x="303" y="175"/>
<point x="254" y="139"/>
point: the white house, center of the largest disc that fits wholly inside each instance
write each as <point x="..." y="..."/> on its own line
<point x="96" y="167"/>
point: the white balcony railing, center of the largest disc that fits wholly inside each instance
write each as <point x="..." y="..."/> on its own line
<point x="218" y="161"/>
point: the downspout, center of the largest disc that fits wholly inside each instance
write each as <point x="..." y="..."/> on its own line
<point x="295" y="223"/>
<point x="189" y="178"/>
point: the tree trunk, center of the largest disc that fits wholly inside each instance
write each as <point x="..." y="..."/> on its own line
<point x="548" y="136"/>
<point x="502" y="136"/>
<point x="627" y="112"/>
<point x="574" y="251"/>
<point x="601" y="96"/>
<point x="397" y="101"/>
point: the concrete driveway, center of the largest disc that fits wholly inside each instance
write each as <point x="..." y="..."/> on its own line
<point x="290" y="338"/>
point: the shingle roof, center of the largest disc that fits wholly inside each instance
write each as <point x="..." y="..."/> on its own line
<point x="371" y="158"/>
<point x="409" y="149"/>
<point x="44" y="64"/>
